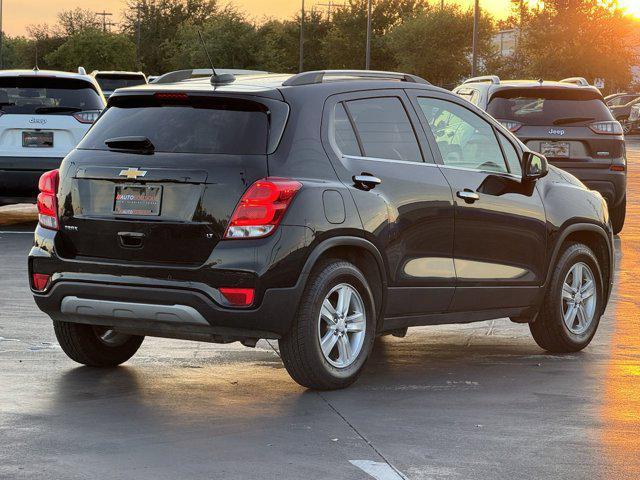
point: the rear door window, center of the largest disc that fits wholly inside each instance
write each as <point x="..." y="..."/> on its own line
<point x="545" y="107"/>
<point x="204" y="125"/>
<point x="47" y="96"/>
<point x="384" y="129"/>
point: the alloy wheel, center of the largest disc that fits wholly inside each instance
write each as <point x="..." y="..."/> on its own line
<point x="579" y="298"/>
<point x="342" y="325"/>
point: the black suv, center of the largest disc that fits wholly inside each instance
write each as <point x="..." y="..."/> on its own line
<point x="568" y="122"/>
<point x="319" y="209"/>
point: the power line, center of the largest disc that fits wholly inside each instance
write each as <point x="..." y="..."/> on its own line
<point x="104" y="14"/>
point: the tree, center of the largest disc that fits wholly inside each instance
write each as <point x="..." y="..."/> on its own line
<point x="588" y="38"/>
<point x="344" y="46"/>
<point x="71" y="22"/>
<point x="436" y="44"/>
<point x="157" y="22"/>
<point x="94" y="49"/>
<point x="229" y="38"/>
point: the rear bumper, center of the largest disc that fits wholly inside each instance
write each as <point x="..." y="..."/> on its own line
<point x="612" y="185"/>
<point x="168" y="312"/>
<point x="19" y="175"/>
<point x="174" y="300"/>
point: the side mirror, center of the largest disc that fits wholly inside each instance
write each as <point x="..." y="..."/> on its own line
<point x="534" y="166"/>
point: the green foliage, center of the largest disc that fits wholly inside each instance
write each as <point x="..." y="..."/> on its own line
<point x="94" y="49"/>
<point x="588" y="38"/>
<point x="344" y="45"/>
<point x="230" y="40"/>
<point x="157" y="22"/>
<point x="436" y="44"/>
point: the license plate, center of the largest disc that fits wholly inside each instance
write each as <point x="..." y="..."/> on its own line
<point x="137" y="200"/>
<point x="37" y="139"/>
<point x="555" y="149"/>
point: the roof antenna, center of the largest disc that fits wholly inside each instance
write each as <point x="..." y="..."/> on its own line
<point x="216" y="78"/>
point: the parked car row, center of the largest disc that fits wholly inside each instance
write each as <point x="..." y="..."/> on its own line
<point x="566" y="121"/>
<point x="325" y="208"/>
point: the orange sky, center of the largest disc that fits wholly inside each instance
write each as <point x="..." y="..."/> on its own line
<point x="20" y="13"/>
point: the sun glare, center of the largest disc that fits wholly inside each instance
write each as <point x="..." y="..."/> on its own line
<point x="631" y="6"/>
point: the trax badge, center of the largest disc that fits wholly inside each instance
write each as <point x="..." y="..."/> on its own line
<point x="556" y="131"/>
<point x="132" y="173"/>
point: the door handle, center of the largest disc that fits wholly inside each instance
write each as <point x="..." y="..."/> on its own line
<point x="366" y="181"/>
<point x="469" y="196"/>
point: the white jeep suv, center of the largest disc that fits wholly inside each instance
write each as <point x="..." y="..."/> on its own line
<point x="43" y="116"/>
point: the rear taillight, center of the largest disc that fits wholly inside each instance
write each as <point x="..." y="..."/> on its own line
<point x="238" y="297"/>
<point x="607" y="128"/>
<point x="48" y="201"/>
<point x="511" y="125"/>
<point x="88" y="116"/>
<point x="40" y="281"/>
<point x="261" y="208"/>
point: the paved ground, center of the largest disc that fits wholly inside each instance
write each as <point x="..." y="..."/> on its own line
<point x="464" y="402"/>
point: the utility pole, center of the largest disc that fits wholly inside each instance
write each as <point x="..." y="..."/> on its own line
<point x="104" y="14"/>
<point x="367" y="59"/>
<point x="476" y="27"/>
<point x="331" y="7"/>
<point x="1" y="38"/>
<point x="138" y="37"/>
<point x="442" y="5"/>
<point x="301" y="62"/>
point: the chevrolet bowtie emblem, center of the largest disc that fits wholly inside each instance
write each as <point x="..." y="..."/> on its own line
<point x="132" y="173"/>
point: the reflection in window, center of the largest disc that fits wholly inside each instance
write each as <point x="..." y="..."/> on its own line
<point x="465" y="140"/>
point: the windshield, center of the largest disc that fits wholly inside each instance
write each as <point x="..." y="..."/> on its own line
<point x="47" y="95"/>
<point x="548" y="107"/>
<point x="202" y="126"/>
<point x="112" y="82"/>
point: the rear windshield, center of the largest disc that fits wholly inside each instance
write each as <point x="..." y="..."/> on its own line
<point x="202" y="126"/>
<point x="112" y="82"/>
<point x="42" y="95"/>
<point x="548" y="107"/>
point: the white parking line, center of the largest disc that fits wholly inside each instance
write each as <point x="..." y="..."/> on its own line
<point x="378" y="470"/>
<point x="2" y="233"/>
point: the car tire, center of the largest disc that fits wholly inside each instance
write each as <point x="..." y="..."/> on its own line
<point x="95" y="346"/>
<point x="556" y="329"/>
<point x="618" y="215"/>
<point x="328" y="367"/>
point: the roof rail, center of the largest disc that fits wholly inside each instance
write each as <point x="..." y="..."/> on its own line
<point x="576" y="81"/>
<point x="318" y="76"/>
<point x="494" y="79"/>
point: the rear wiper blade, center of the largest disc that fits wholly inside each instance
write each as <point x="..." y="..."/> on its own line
<point x="60" y="109"/>
<point x="564" y="121"/>
<point x="132" y="144"/>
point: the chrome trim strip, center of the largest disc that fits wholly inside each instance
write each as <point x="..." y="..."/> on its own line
<point x="357" y="157"/>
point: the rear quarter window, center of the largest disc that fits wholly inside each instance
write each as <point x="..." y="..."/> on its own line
<point x="204" y="125"/>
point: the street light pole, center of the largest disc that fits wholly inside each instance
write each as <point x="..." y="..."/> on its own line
<point x="1" y="38"/>
<point x="476" y="27"/>
<point x="301" y="61"/>
<point x="367" y="60"/>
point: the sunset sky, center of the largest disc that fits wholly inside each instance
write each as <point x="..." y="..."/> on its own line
<point x="20" y="13"/>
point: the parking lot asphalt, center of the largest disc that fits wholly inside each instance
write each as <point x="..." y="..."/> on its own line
<point x="478" y="401"/>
